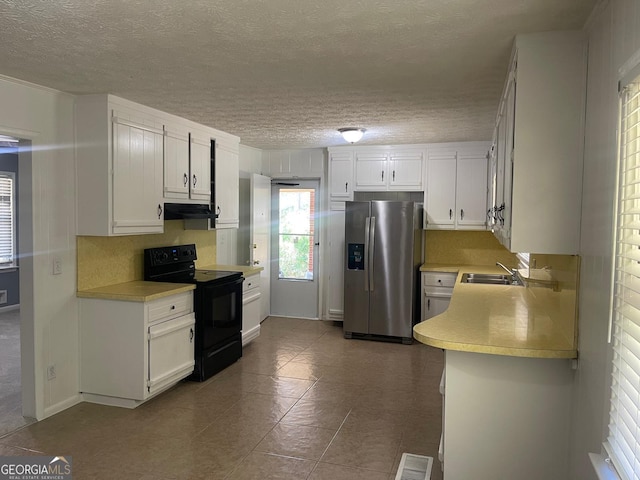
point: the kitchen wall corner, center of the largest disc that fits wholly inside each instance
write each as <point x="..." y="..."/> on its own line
<point x="110" y="260"/>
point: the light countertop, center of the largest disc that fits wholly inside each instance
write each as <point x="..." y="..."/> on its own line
<point x="136" y="291"/>
<point x="246" y="270"/>
<point x="518" y="321"/>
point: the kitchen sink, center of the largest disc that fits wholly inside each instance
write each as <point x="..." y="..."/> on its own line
<point x="489" y="279"/>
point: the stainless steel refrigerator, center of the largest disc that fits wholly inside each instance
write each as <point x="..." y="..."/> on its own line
<point x="383" y="243"/>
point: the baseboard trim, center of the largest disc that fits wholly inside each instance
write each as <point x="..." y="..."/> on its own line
<point x="112" y="401"/>
<point x="250" y="335"/>
<point x="8" y="308"/>
<point x="63" y="405"/>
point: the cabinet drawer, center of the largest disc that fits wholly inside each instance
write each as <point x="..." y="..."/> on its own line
<point x="439" y="279"/>
<point x="251" y="282"/>
<point x="170" y="307"/>
<point x="438" y="291"/>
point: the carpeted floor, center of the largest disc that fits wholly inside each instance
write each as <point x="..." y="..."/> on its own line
<point x="10" y="387"/>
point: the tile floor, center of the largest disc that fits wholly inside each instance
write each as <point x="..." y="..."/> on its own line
<point x="302" y="403"/>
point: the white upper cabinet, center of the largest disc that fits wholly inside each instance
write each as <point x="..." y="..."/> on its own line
<point x="119" y="149"/>
<point x="539" y="145"/>
<point x="200" y="162"/>
<point x="440" y="196"/>
<point x="405" y="170"/>
<point x="341" y="175"/>
<point x="176" y="162"/>
<point x="371" y="171"/>
<point x="471" y="191"/>
<point x="456" y="193"/>
<point x="226" y="185"/>
<point x="187" y="164"/>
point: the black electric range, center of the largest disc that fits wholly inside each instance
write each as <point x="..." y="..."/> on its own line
<point x="217" y="305"/>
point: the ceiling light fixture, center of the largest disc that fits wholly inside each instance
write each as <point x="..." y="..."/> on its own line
<point x="351" y="134"/>
<point x="5" y="138"/>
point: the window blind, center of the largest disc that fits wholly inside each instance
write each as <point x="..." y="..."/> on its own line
<point x="623" y="441"/>
<point x="7" y="216"/>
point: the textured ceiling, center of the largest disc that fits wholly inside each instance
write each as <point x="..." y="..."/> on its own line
<point x="286" y="73"/>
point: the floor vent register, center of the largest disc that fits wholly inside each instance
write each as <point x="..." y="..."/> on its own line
<point x="414" y="467"/>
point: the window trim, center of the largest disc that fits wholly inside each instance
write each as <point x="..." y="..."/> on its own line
<point x="13" y="264"/>
<point x="628" y="74"/>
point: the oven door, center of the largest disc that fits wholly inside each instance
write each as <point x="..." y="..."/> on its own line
<point x="218" y="312"/>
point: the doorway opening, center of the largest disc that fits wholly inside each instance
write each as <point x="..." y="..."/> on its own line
<point x="294" y="247"/>
<point x="11" y="334"/>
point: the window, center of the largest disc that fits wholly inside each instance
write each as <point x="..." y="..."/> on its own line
<point x="7" y="219"/>
<point x="623" y="441"/>
<point x="297" y="214"/>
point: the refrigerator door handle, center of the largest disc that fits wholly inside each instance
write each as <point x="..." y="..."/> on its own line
<point x="372" y="246"/>
<point x="367" y="228"/>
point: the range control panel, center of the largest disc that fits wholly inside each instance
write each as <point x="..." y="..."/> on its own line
<point x="155" y="257"/>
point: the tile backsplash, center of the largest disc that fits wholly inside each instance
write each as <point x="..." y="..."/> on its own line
<point x="109" y="260"/>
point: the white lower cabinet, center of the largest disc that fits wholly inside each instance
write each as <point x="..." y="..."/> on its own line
<point x="506" y="417"/>
<point x="130" y="351"/>
<point x="251" y="308"/>
<point x="437" y="288"/>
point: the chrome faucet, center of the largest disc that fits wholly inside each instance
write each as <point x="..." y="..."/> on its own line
<point x="508" y="270"/>
<point x="511" y="271"/>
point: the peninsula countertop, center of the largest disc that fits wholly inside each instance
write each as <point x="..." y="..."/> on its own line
<point x="519" y="321"/>
<point x="136" y="291"/>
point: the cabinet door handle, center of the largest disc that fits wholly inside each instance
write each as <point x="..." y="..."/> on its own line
<point x="195" y="180"/>
<point x="382" y="175"/>
<point x="428" y="304"/>
<point x="173" y="307"/>
<point x="185" y="179"/>
<point x="394" y="176"/>
<point x="191" y="335"/>
<point x="159" y="211"/>
<point x="450" y="214"/>
<point x="461" y="214"/>
<point x="346" y="187"/>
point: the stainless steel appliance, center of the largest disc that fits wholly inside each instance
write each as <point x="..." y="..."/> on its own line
<point x="217" y="305"/>
<point x="383" y="255"/>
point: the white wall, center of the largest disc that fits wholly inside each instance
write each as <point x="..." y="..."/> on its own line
<point x="250" y="159"/>
<point x="614" y="35"/>
<point x="48" y="302"/>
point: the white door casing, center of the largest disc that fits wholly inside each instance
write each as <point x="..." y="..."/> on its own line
<point x="293" y="297"/>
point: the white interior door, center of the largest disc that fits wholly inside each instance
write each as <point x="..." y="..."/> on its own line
<point x="260" y="236"/>
<point x="294" y="249"/>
